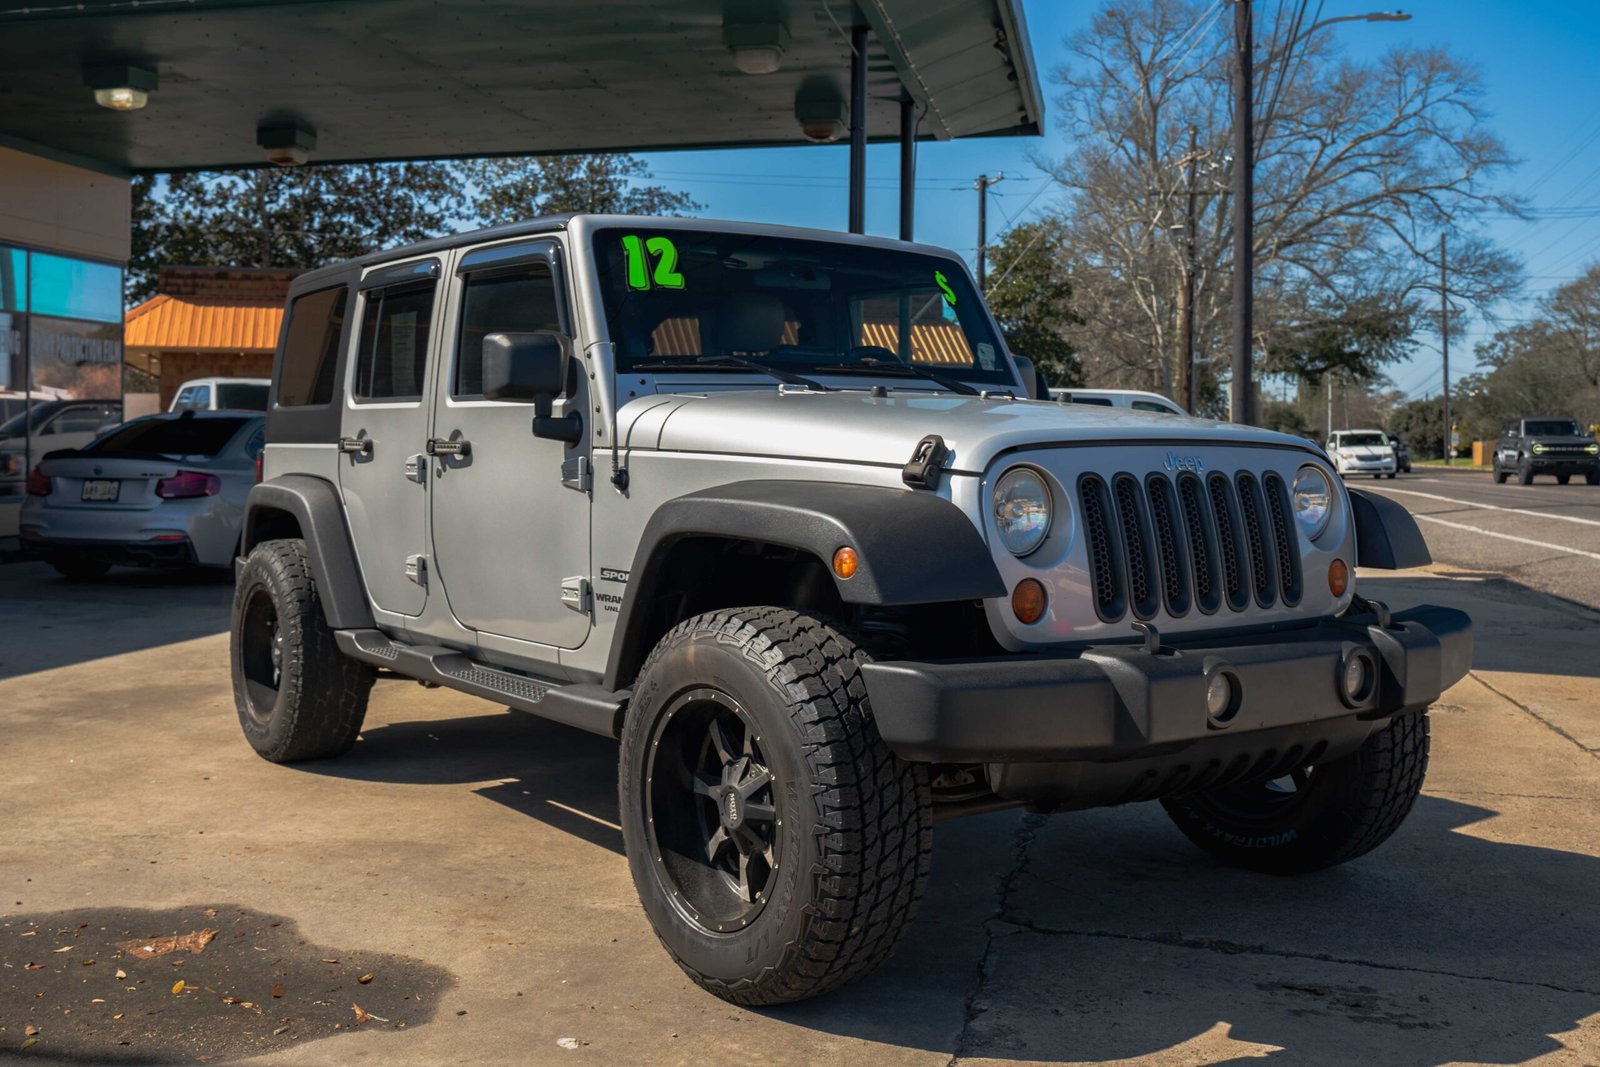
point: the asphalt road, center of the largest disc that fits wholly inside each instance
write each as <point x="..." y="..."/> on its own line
<point x="469" y="861"/>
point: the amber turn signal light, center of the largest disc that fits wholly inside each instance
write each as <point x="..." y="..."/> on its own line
<point x="845" y="562"/>
<point x="1338" y="577"/>
<point x="1028" y="601"/>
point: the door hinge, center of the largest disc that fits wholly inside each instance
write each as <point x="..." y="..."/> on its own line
<point x="577" y="474"/>
<point x="417" y="468"/>
<point x="417" y="569"/>
<point x="575" y="594"/>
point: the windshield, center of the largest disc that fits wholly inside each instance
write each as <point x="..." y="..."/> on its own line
<point x="242" y="396"/>
<point x="19" y="422"/>
<point x="675" y="296"/>
<point x="1551" y="428"/>
<point x="171" y="437"/>
<point x="1363" y="440"/>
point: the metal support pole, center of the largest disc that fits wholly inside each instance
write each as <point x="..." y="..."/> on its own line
<point x="1444" y="347"/>
<point x="858" y="129"/>
<point x="1186" y="293"/>
<point x="982" y="185"/>
<point x="908" y="166"/>
<point x="1242" y="408"/>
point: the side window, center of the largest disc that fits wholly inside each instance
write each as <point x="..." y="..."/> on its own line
<point x="515" y="301"/>
<point x="311" y="348"/>
<point x="185" y="398"/>
<point x="75" y="420"/>
<point x="1094" y="401"/>
<point x="392" y="361"/>
<point x="1151" y="405"/>
<point x="201" y="401"/>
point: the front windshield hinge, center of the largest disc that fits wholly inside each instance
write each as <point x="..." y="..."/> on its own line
<point x="926" y="463"/>
<point x="996" y="394"/>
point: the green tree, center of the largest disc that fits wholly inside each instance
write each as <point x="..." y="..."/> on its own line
<point x="1420" y="424"/>
<point x="1030" y="293"/>
<point x="509" y="189"/>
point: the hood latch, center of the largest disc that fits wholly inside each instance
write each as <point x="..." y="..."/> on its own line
<point x="926" y="464"/>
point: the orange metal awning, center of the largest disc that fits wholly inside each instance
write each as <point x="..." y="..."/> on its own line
<point x="173" y="323"/>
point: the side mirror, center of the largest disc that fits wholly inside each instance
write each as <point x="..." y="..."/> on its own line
<point x="525" y="366"/>
<point x="534" y="367"/>
<point x="1033" y="379"/>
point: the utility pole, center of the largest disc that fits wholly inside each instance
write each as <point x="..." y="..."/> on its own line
<point x="1242" y="408"/>
<point x="982" y="185"/>
<point x="1186" y="292"/>
<point x="1444" y="347"/>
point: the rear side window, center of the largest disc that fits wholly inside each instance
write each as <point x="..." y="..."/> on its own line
<point x="1093" y="401"/>
<point x="311" y="348"/>
<point x="517" y="302"/>
<point x="394" y="343"/>
<point x="1151" y="405"/>
<point x="77" y="420"/>
<point x="171" y="437"/>
<point x="242" y="396"/>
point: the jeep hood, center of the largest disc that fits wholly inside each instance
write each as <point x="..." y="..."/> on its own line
<point x="854" y="427"/>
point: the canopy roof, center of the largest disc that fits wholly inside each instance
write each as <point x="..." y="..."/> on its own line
<point x="412" y="79"/>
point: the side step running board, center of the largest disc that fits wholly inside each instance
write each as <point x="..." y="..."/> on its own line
<point x="588" y="707"/>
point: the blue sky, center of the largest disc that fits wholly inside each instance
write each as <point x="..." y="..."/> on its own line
<point x="1540" y="61"/>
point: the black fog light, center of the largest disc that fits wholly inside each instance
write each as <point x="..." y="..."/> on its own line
<point x="1358" y="677"/>
<point x="1222" y="697"/>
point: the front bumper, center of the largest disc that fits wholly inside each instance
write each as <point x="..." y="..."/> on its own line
<point x="1563" y="464"/>
<point x="1121" y="702"/>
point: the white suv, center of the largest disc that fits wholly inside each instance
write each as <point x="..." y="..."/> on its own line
<point x="1362" y="452"/>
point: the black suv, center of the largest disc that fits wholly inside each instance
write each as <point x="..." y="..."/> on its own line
<point x="1545" y="446"/>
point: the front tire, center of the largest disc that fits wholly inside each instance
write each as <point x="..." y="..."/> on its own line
<point x="1499" y="476"/>
<point x="779" y="848"/>
<point x="298" y="697"/>
<point x="1317" y="816"/>
<point x="1524" y="474"/>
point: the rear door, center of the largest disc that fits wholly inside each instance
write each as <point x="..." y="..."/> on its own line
<point x="511" y="512"/>
<point x="385" y="431"/>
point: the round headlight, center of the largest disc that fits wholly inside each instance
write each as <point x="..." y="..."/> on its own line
<point x="1538" y="450"/>
<point x="1313" y="501"/>
<point x="1021" y="510"/>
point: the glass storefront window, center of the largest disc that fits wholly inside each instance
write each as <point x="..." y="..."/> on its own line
<point x="74" y="289"/>
<point x="76" y="360"/>
<point x="13" y="278"/>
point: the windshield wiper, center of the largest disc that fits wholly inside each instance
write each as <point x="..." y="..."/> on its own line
<point x="735" y="361"/>
<point x="914" y="371"/>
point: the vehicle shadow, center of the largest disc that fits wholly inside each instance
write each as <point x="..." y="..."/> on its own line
<point x="560" y="776"/>
<point x="47" y="621"/>
<point x="1115" y="940"/>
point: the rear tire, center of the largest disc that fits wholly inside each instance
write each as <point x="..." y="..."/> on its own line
<point x="779" y="848"/>
<point x="1389" y="476"/>
<point x="80" y="570"/>
<point x="1337" y="811"/>
<point x="298" y="697"/>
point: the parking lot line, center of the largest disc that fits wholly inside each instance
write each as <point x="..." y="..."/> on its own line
<point x="1493" y="507"/>
<point x="1509" y="537"/>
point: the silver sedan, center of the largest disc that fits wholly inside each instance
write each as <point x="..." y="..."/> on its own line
<point x="161" y="491"/>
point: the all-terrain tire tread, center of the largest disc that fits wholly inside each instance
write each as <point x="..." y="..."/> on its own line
<point x="873" y="810"/>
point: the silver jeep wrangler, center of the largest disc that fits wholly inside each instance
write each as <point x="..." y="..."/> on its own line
<point x="777" y="509"/>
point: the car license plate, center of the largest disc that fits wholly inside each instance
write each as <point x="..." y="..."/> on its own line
<point x="101" y="489"/>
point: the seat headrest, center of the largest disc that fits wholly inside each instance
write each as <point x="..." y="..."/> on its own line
<point x="749" y="322"/>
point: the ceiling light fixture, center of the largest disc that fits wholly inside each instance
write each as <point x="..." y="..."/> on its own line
<point x="288" y="144"/>
<point x="819" y="108"/>
<point x="121" y="87"/>
<point x="756" y="47"/>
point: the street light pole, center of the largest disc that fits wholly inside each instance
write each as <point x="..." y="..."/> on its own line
<point x="1243" y="210"/>
<point x="982" y="185"/>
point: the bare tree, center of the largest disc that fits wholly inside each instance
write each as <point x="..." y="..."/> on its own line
<point x="1360" y="167"/>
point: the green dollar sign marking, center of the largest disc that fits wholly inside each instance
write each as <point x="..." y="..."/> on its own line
<point x="944" y="287"/>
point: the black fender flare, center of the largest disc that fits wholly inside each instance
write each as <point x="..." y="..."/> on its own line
<point x="1387" y="537"/>
<point x="913" y="547"/>
<point x="314" y="503"/>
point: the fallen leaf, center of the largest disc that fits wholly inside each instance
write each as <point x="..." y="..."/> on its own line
<point x="568" y="1042"/>
<point x="211" y="913"/>
<point x="118" y="1015"/>
<point x="30" y="933"/>
<point x="194" y="942"/>
<point x="88" y="963"/>
<point x="121" y="974"/>
<point x="330" y="961"/>
<point x="32" y="1041"/>
<point x="64" y="948"/>
<point x="279" y="1030"/>
<point x="362" y="1015"/>
<point x="177" y="987"/>
<point x="364" y="979"/>
<point x="277" y="990"/>
<point x="29" y="1031"/>
<point x="230" y="1000"/>
<point x="246" y="1004"/>
<point x="98" y="1000"/>
<point x="34" y="967"/>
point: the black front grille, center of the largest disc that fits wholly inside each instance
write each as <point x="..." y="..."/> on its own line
<point x="1209" y="543"/>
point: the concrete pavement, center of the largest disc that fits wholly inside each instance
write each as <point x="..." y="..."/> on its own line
<point x="470" y="861"/>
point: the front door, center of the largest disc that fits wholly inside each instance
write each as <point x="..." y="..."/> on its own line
<point x="382" y="475"/>
<point x="510" y="511"/>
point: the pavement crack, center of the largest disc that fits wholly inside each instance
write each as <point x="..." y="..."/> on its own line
<point x="972" y="1007"/>
<point x="1235" y="948"/>
<point x="1552" y="727"/>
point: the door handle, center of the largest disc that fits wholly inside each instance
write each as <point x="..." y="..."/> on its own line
<point x="358" y="445"/>
<point x="443" y="446"/>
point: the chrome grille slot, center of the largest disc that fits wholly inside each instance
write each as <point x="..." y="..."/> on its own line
<point x="1144" y="594"/>
<point x="1105" y="556"/>
<point x="1283" y="539"/>
<point x="1170" y="544"/>
<point x="1263" y="560"/>
<point x="1202" y="533"/>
